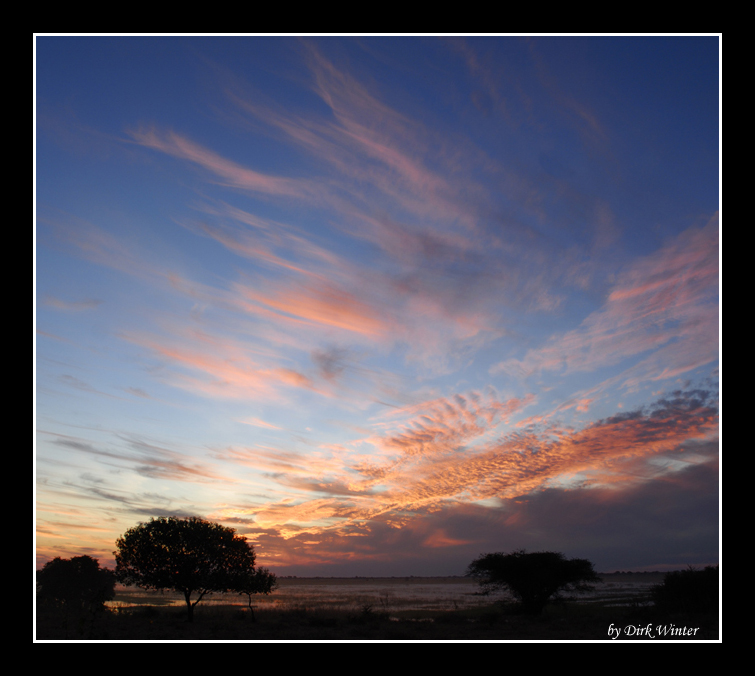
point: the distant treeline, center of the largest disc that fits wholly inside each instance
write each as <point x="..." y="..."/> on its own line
<point x="371" y="577"/>
<point x="640" y="572"/>
<point x="441" y="577"/>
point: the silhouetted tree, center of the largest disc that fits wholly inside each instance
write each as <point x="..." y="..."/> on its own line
<point x="186" y="555"/>
<point x="532" y="578"/>
<point x="78" y="583"/>
<point x="260" y="581"/>
<point x="688" y="591"/>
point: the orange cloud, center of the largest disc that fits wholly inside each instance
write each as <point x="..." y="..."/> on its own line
<point x="221" y="368"/>
<point x="446" y="457"/>
<point x="325" y="304"/>
<point x="439" y="539"/>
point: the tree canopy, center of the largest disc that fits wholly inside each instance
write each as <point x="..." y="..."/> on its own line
<point x="532" y="578"/>
<point x="189" y="555"/>
<point x="78" y="583"/>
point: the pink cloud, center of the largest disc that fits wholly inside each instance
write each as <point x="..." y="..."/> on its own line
<point x="668" y="296"/>
<point x="325" y="304"/>
<point x="373" y="149"/>
<point x="241" y="177"/>
<point x="445" y="455"/>
<point x="220" y="368"/>
<point x="256" y="422"/>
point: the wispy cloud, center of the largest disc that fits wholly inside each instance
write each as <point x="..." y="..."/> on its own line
<point x="71" y="306"/>
<point x="236" y="175"/>
<point x="668" y="297"/>
<point x="143" y="458"/>
<point x="362" y="298"/>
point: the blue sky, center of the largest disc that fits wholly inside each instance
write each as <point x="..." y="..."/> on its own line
<point x="380" y="303"/>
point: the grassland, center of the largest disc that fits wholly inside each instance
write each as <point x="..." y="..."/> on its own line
<point x="380" y="610"/>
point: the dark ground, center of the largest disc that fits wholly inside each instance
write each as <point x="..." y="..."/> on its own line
<point x="562" y="622"/>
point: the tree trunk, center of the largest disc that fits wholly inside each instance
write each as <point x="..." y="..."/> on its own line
<point x="189" y="607"/>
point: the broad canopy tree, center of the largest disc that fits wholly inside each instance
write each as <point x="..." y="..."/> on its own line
<point x="189" y="556"/>
<point x="532" y="578"/>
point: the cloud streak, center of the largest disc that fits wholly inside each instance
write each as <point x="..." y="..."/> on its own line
<point x="393" y="297"/>
<point x="669" y="297"/>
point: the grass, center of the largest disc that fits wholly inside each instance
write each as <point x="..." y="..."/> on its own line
<point x="379" y="609"/>
<point x="495" y="622"/>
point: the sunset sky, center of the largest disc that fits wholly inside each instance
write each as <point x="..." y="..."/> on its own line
<point x="382" y="304"/>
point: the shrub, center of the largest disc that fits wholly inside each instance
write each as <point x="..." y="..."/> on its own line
<point x="688" y="591"/>
<point x="77" y="584"/>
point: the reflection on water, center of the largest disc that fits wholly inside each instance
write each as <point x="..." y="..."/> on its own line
<point x="386" y="594"/>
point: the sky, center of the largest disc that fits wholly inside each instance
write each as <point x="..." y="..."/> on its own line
<point x="381" y="304"/>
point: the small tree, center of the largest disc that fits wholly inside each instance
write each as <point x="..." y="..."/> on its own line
<point x="260" y="581"/>
<point x="186" y="555"/>
<point x="534" y="578"/>
<point x="77" y="584"/>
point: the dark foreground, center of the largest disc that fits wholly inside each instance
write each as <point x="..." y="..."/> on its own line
<point x="563" y="622"/>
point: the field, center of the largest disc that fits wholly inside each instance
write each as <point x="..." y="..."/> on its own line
<point x="392" y="609"/>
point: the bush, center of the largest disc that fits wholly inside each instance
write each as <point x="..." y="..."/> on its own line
<point x="688" y="591"/>
<point x="76" y="584"/>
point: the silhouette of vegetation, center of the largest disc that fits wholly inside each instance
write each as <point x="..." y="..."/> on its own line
<point x="189" y="555"/>
<point x="78" y="583"/>
<point x="260" y="581"/>
<point x="688" y="591"/>
<point x="532" y="578"/>
<point x="308" y="612"/>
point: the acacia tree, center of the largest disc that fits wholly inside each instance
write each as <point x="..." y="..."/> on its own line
<point x="186" y="555"/>
<point x="534" y="578"/>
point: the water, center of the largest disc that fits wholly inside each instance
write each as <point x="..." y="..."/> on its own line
<point x="388" y="594"/>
